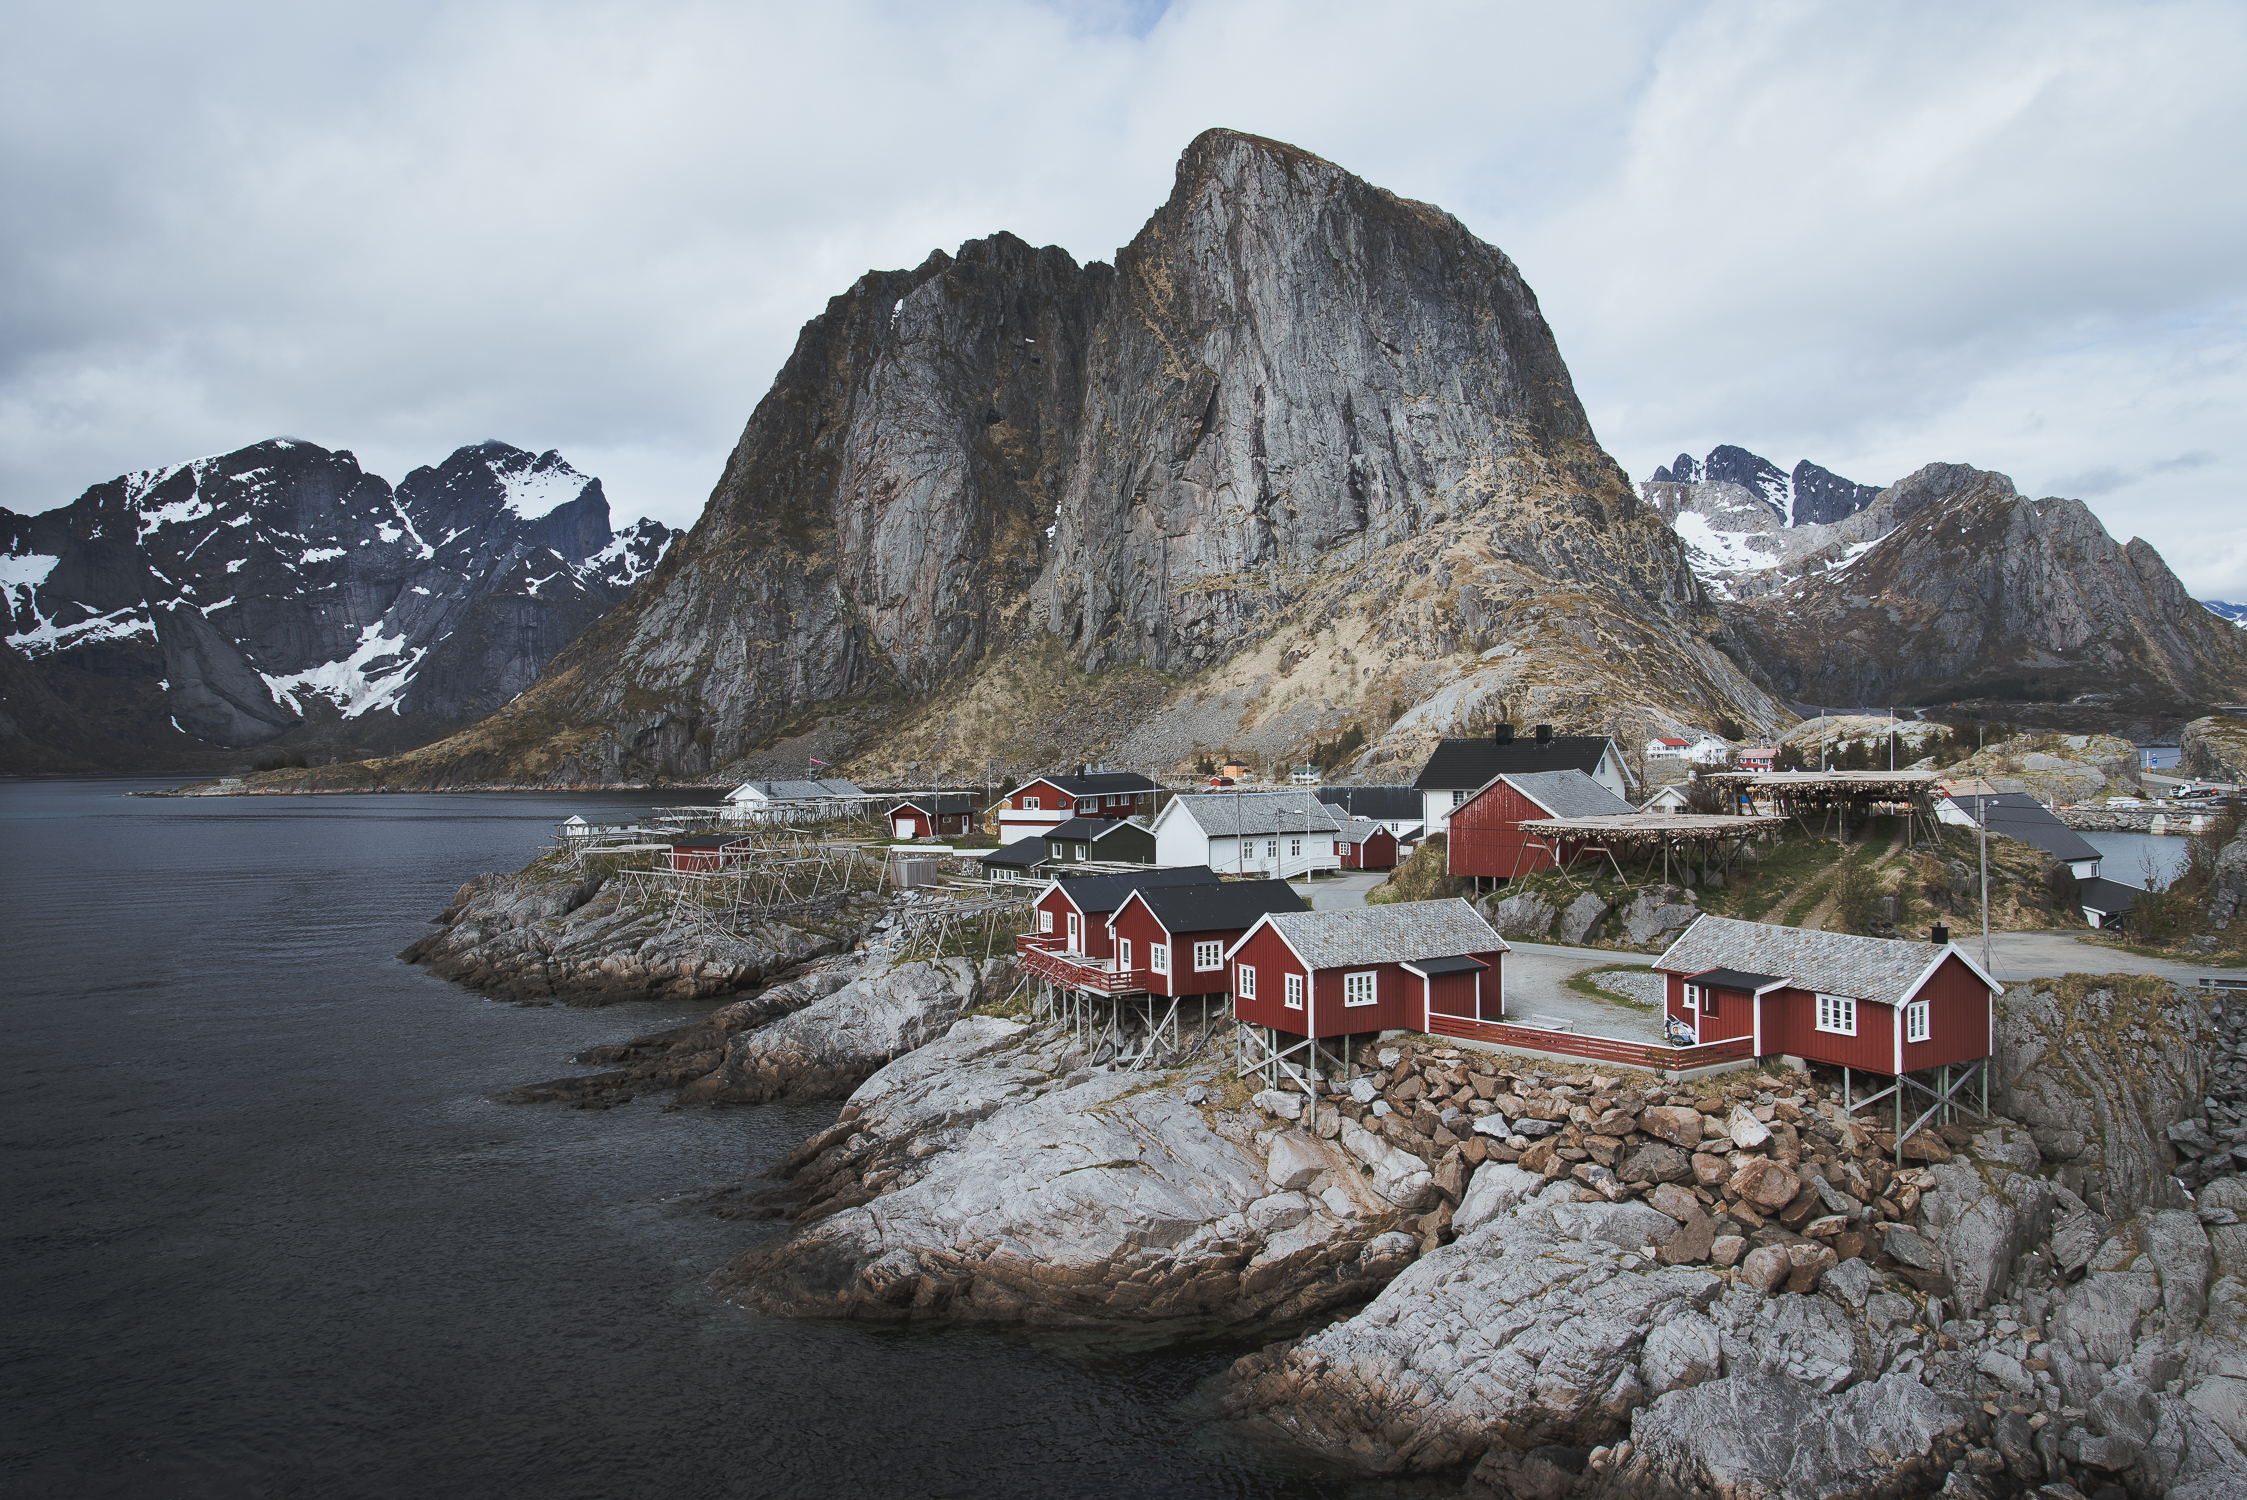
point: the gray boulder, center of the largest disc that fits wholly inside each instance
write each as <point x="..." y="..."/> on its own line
<point x="829" y="1047"/>
<point x="1525" y="914"/>
<point x="1657" y="911"/>
<point x="1582" y="919"/>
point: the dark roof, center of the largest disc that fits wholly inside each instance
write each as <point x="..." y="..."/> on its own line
<point x="1229" y="907"/>
<point x="2109" y="896"/>
<point x="1021" y="854"/>
<point x="1737" y="979"/>
<point x="938" y="807"/>
<point x="1463" y="765"/>
<point x="1098" y="784"/>
<point x="2017" y="815"/>
<point x="1378" y="802"/>
<point x="1095" y="893"/>
<point x="1459" y="965"/>
<point x="1094" y="829"/>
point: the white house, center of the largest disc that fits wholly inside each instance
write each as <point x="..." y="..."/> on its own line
<point x="1460" y="768"/>
<point x="1274" y="834"/>
<point x="770" y="801"/>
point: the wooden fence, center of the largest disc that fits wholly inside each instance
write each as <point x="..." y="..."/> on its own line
<point x="1649" y="1055"/>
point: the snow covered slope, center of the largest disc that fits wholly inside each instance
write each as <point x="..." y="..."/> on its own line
<point x="1749" y="526"/>
<point x="227" y="601"/>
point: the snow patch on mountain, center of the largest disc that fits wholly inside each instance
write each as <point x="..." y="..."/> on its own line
<point x="2236" y="613"/>
<point x="537" y="487"/>
<point x="371" y="677"/>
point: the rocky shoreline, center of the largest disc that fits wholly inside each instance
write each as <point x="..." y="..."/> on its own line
<point x="1557" y="1281"/>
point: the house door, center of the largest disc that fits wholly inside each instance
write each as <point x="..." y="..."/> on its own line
<point x="904" y="828"/>
<point x="1076" y="933"/>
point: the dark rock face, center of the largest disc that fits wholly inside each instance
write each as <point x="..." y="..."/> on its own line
<point x="1972" y="590"/>
<point x="226" y="602"/>
<point x="1730" y="465"/>
<point x="1822" y="497"/>
<point x="1291" y="392"/>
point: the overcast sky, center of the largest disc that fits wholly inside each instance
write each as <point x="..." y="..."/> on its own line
<point x="1873" y="236"/>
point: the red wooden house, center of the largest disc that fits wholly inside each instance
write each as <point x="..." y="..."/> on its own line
<point x="932" y="817"/>
<point x="1878" y="1005"/>
<point x="1366" y="845"/>
<point x="706" y="852"/>
<point x="1047" y="801"/>
<point x="1486" y="838"/>
<point x="1178" y="935"/>
<point x="1330" y="974"/>
<point x="1071" y="915"/>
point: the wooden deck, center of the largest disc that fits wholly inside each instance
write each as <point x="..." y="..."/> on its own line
<point x="1041" y="956"/>
<point x="1652" y="1056"/>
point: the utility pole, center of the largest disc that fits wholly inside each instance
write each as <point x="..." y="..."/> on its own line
<point x="1981" y="826"/>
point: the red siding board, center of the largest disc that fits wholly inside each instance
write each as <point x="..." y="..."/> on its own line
<point x="1138" y="924"/>
<point x="1958" y="1017"/>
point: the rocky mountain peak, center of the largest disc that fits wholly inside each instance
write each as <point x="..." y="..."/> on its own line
<point x="1747" y="524"/>
<point x="235" y="599"/>
<point x="1301" y="428"/>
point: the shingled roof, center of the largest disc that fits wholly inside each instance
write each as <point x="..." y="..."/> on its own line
<point x="1566" y="794"/>
<point x="1396" y="933"/>
<point x="1098" y="893"/>
<point x="945" y="806"/>
<point x="1358" y="830"/>
<point x="1226" y="815"/>
<point x="1401" y="803"/>
<point x="1465" y="765"/>
<point x="1223" y="908"/>
<point x="1886" y="970"/>
<point x="2017" y="815"/>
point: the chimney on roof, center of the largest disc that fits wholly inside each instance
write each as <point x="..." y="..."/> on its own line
<point x="1505" y="734"/>
<point x="1940" y="934"/>
<point x="1544" y="734"/>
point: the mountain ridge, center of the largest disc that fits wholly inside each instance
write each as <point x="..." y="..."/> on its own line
<point x="281" y="595"/>
<point x="1306" y="456"/>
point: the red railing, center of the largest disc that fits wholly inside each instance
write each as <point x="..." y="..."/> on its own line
<point x="1078" y="973"/>
<point x="1650" y="1055"/>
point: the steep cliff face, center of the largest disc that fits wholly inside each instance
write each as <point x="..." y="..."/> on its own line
<point x="1746" y="525"/>
<point x="1300" y="417"/>
<point x="239" y="599"/>
<point x="1973" y="590"/>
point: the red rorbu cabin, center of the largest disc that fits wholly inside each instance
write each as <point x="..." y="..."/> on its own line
<point x="1366" y="845"/>
<point x="1486" y="838"/>
<point x="1877" y="1005"/>
<point x="1330" y="974"/>
<point x="1071" y="916"/>
<point x="1047" y="801"/>
<point x="705" y="852"/>
<point x="1178" y="934"/>
<point x="932" y="817"/>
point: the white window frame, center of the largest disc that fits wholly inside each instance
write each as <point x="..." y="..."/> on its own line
<point x="1919" y="1022"/>
<point x="1029" y="804"/>
<point x="1045" y="920"/>
<point x="1294" y="992"/>
<point x="1244" y="981"/>
<point x="1294" y="848"/>
<point x="1693" y="997"/>
<point x="1209" y="957"/>
<point x="1362" y="988"/>
<point x="1082" y="853"/>
<point x="1088" y="804"/>
<point x="1271" y="848"/>
<point x="1837" y="1015"/>
<point x="1158" y="958"/>
<point x="1123" y="955"/>
<point x="1458" y="800"/>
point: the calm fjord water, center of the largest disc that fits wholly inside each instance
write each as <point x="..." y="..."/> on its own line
<point x="266" y="1235"/>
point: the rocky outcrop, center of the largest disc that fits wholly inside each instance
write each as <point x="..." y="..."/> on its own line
<point x="1306" y="439"/>
<point x="825" y="1049"/>
<point x="1972" y="590"/>
<point x="2215" y="748"/>
<point x="2056" y="767"/>
<point x="281" y="594"/>
<point x="549" y="932"/>
<point x="987" y="1178"/>
<point x="2099" y="1070"/>
<point x="681" y="1056"/>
